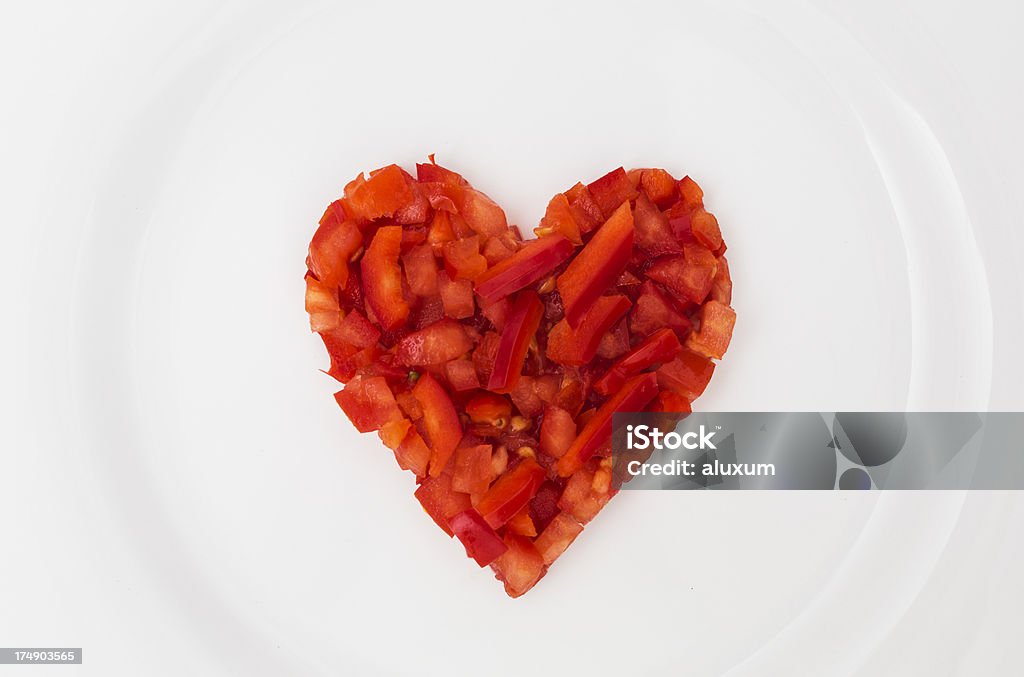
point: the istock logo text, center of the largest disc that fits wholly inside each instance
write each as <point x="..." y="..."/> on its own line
<point x="646" y="437"/>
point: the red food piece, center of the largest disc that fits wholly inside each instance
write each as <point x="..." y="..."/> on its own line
<point x="440" y="420"/>
<point x="715" y="333"/>
<point x="692" y="195"/>
<point x="480" y="212"/>
<point x="520" y="328"/>
<point x="335" y="242"/>
<point x="611" y="190"/>
<point x="440" y="501"/>
<point x="597" y="266"/>
<point x="687" y="375"/>
<point x="520" y="567"/>
<point x="382" y="280"/>
<point x="411" y="451"/>
<point x="322" y="304"/>
<point x="668" y="401"/>
<point x="557" y="432"/>
<point x="421" y="270"/>
<point x="578" y="346"/>
<point x="581" y="499"/>
<point x="557" y="536"/>
<point x="368" y="403"/>
<point x="456" y="296"/>
<point x="356" y="330"/>
<point x="472" y="472"/>
<point x="511" y="492"/>
<point x="559" y="219"/>
<point x="721" y="286"/>
<point x="659" y="186"/>
<point x="490" y="409"/>
<point x="481" y="541"/>
<point x="531" y="263"/>
<point x="386" y="191"/>
<point x="659" y="347"/>
<point x="690" y="277"/>
<point x="440" y="342"/>
<point x="653" y="311"/>
<point x="462" y="375"/>
<point x="462" y="259"/>
<point x="654" y="236"/>
<point x="586" y="212"/>
<point x="704" y="227"/>
<point x="633" y="396"/>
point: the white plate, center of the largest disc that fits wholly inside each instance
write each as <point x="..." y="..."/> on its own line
<point x="263" y="533"/>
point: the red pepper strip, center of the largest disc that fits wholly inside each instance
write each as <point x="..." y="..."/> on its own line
<point x="440" y="419"/>
<point x="575" y="347"/>
<point x="633" y="396"/>
<point x="382" y="278"/>
<point x="520" y="328"/>
<point x="511" y="492"/>
<point x="660" y="346"/>
<point x="482" y="544"/>
<point x="598" y="266"/>
<point x="529" y="264"/>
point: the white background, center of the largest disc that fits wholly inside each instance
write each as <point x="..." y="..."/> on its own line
<point x="179" y="494"/>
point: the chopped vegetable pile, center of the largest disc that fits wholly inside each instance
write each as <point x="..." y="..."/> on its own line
<point x="491" y="365"/>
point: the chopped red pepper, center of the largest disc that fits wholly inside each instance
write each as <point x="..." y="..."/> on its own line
<point x="520" y="328"/>
<point x="688" y="374"/>
<point x="368" y="403"/>
<point x="559" y="219"/>
<point x="691" y="277"/>
<point x="557" y="536"/>
<point x="715" y="333"/>
<point x="520" y="567"/>
<point x="557" y="432"/>
<point x="597" y="433"/>
<point x="611" y="190"/>
<point x="528" y="265"/>
<point x="384" y="193"/>
<point x="598" y="265"/>
<point x="440" y="342"/>
<point x="440" y="419"/>
<point x="659" y="347"/>
<point x="511" y="492"/>
<point x="578" y="346"/>
<point x="382" y="281"/>
<point x="481" y="542"/>
<point x="440" y="501"/>
<point x="472" y="469"/>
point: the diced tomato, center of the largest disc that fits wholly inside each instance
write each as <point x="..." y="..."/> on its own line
<point x="659" y="347"/>
<point x="496" y="312"/>
<point x="659" y="186"/>
<point x="421" y="270"/>
<point x="357" y="330"/>
<point x="521" y="524"/>
<point x="462" y="375"/>
<point x="417" y="211"/>
<point x="410" y="451"/>
<point x="434" y="172"/>
<point x="653" y="311"/>
<point x="440" y="342"/>
<point x="559" y="219"/>
<point x="322" y="305"/>
<point x="580" y="499"/>
<point x="715" y="332"/>
<point x="497" y="249"/>
<point x="440" y="231"/>
<point x="409" y="405"/>
<point x="692" y="195"/>
<point x="704" y="227"/>
<point x="653" y="234"/>
<point x="472" y="472"/>
<point x="597" y="433"/>
<point x="368" y="403"/>
<point x="440" y="419"/>
<point x="384" y="193"/>
<point x="520" y="567"/>
<point x="597" y="266"/>
<point x="480" y="212"/>
<point x="721" y="287"/>
<point x="528" y="265"/>
<point x="691" y="276"/>
<point x="511" y="492"/>
<point x="382" y="279"/>
<point x="688" y="374"/>
<point x="333" y="245"/>
<point x="490" y="409"/>
<point x="481" y="541"/>
<point x="614" y="342"/>
<point x="483" y="355"/>
<point x="440" y="501"/>
<point x="557" y="432"/>
<point x="586" y="212"/>
<point x="611" y="190"/>
<point x="520" y="329"/>
<point x="462" y="259"/>
<point x="525" y="397"/>
<point x="578" y="346"/>
<point x="670" y="402"/>
<point x="557" y="537"/>
<point x="456" y="296"/>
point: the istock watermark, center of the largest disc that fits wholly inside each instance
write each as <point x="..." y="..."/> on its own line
<point x="818" y="450"/>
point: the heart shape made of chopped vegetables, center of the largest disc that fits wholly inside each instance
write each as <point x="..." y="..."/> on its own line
<point x="491" y="365"/>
